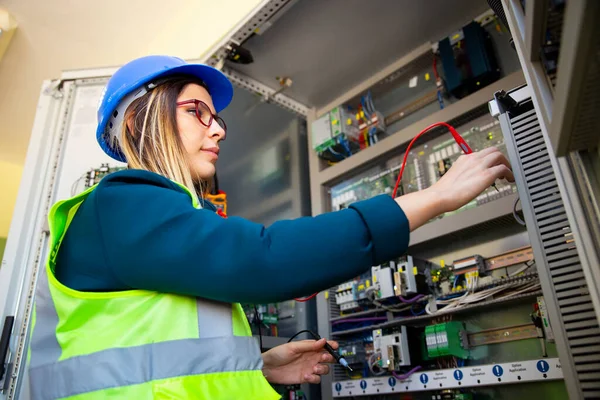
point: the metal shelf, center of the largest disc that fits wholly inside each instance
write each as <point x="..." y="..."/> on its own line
<point x="338" y="172"/>
<point x="464" y="220"/>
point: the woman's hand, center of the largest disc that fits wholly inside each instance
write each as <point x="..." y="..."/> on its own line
<point x="468" y="177"/>
<point x="297" y="362"/>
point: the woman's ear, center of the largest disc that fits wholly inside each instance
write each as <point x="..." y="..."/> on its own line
<point x="130" y="124"/>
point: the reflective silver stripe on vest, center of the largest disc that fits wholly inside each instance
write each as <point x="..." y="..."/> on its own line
<point x="44" y="345"/>
<point x="215" y="318"/>
<point x="134" y="365"/>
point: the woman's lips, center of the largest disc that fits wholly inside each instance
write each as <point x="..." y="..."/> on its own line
<point x="213" y="152"/>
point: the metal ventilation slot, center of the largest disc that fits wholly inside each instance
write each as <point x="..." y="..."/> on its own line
<point x="536" y="164"/>
<point x="560" y="260"/>
<point x="531" y="140"/>
<point x="548" y="197"/>
<point x="576" y="300"/>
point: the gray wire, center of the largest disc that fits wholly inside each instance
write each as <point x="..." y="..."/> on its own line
<point x="515" y="215"/>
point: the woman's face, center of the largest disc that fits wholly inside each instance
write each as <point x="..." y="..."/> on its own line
<point x="200" y="142"/>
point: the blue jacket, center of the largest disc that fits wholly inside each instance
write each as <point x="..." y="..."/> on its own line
<point x="139" y="230"/>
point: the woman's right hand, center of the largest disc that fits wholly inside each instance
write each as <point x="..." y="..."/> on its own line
<point x="468" y="177"/>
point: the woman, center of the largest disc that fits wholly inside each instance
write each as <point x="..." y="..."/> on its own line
<point x="140" y="295"/>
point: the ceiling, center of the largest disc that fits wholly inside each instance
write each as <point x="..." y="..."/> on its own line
<point x="327" y="47"/>
<point x="53" y="36"/>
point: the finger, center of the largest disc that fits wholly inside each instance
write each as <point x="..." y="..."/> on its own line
<point x="333" y="344"/>
<point x="486" y="151"/>
<point x="303" y="346"/>
<point x="327" y="358"/>
<point x="502" y="172"/>
<point x="321" y="369"/>
<point x="495" y="158"/>
<point x="319" y="344"/>
<point x="310" y="378"/>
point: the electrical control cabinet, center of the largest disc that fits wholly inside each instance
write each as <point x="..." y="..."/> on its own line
<point x="501" y="292"/>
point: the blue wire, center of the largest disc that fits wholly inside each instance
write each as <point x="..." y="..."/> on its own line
<point x="455" y="281"/>
<point x="370" y="101"/>
<point x="416" y="314"/>
<point x="335" y="152"/>
<point x="368" y="105"/>
<point x="344" y="143"/>
<point x="440" y="99"/>
<point x="364" y="106"/>
<point x="451" y="296"/>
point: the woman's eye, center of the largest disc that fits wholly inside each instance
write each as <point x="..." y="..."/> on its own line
<point x="192" y="111"/>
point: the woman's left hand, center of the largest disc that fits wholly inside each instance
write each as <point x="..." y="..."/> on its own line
<point x="297" y="362"/>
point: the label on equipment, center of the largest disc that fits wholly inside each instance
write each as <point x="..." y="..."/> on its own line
<point x="482" y="375"/>
<point x="497" y="370"/>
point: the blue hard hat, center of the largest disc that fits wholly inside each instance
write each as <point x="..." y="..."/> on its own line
<point x="139" y="76"/>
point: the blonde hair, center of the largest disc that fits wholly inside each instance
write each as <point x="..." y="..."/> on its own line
<point x="153" y="143"/>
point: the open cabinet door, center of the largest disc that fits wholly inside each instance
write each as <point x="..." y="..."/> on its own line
<point x="263" y="165"/>
<point x="62" y="149"/>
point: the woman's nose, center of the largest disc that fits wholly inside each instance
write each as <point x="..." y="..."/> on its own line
<point x="217" y="131"/>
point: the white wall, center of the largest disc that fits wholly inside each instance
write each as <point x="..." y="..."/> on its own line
<point x="10" y="177"/>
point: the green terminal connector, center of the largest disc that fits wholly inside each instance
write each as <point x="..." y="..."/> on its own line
<point x="447" y="339"/>
<point x="463" y="396"/>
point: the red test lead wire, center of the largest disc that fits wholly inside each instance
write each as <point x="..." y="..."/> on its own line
<point x="459" y="140"/>
<point x="305" y="299"/>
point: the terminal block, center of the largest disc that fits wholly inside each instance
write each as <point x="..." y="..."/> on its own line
<point x="447" y="339"/>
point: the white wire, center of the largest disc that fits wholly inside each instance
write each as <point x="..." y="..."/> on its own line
<point x="469" y="298"/>
<point x="75" y="184"/>
<point x="372" y="364"/>
<point x="523" y="268"/>
<point x="514" y="211"/>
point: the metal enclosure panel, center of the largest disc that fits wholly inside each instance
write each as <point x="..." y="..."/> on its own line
<point x="561" y="275"/>
<point x="28" y="235"/>
<point x="533" y="71"/>
<point x="577" y="100"/>
<point x="534" y="22"/>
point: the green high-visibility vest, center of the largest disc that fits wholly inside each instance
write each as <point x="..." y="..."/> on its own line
<point x="137" y="344"/>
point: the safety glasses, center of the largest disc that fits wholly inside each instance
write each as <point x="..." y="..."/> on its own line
<point x="204" y="114"/>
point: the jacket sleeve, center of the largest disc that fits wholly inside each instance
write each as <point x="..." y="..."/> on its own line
<point x="154" y="239"/>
